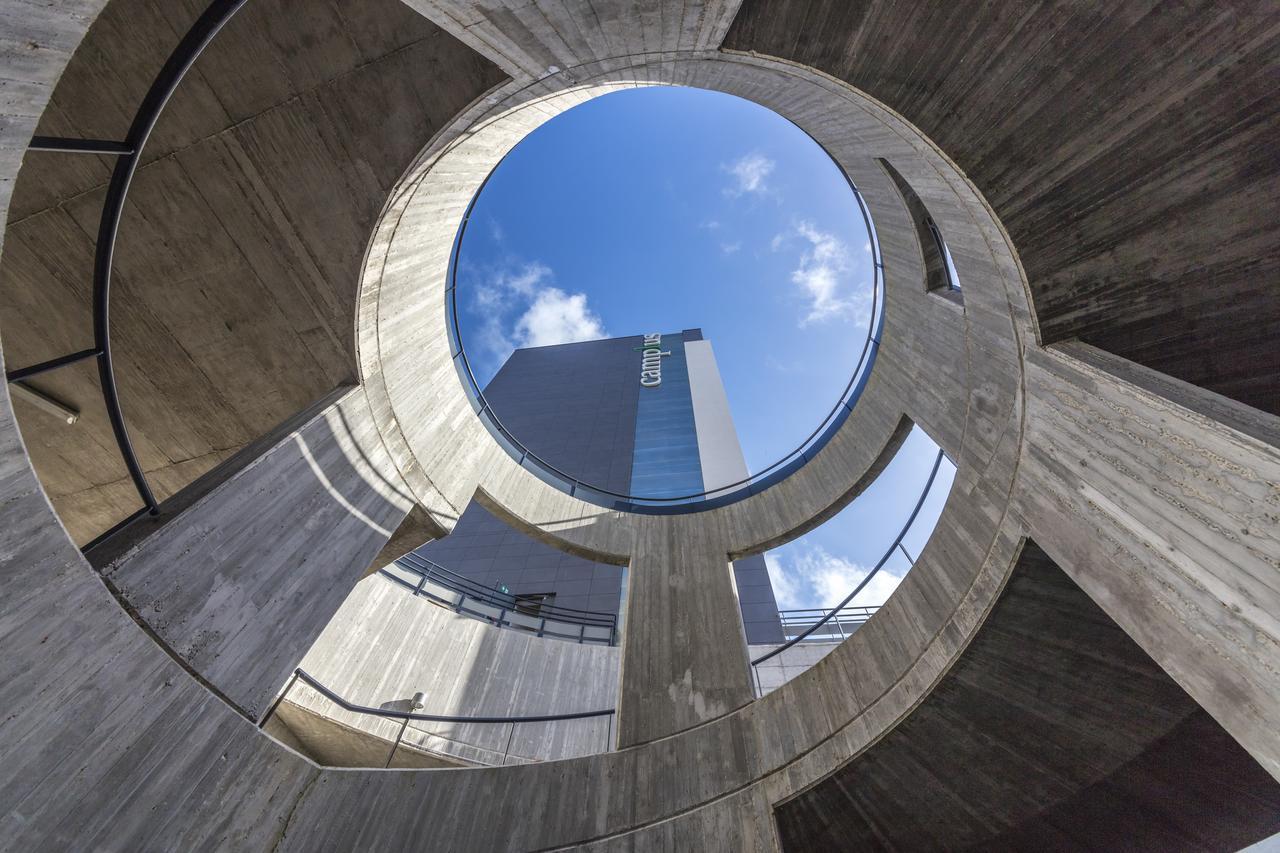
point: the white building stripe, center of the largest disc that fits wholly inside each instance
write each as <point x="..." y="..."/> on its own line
<point x="718" y="447"/>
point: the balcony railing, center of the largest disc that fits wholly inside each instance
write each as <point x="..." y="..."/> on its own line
<point x="814" y="626"/>
<point x="499" y="752"/>
<point x="464" y="595"/>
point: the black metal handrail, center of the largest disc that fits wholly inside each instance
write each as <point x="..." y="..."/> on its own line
<point x="303" y="675"/>
<point x="697" y="501"/>
<point x="129" y="153"/>
<point x="460" y="583"/>
<point x="562" y="623"/>
<point x="406" y="717"/>
<point x="897" y="543"/>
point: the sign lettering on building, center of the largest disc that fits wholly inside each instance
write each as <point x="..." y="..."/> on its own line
<point x="651" y="361"/>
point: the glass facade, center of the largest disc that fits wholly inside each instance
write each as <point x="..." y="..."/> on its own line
<point x="665" y="463"/>
<point x="581" y="408"/>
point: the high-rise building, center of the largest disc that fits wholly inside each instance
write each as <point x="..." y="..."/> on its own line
<point x="599" y="412"/>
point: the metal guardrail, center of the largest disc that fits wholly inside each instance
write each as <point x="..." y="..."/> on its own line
<point x="797" y="623"/>
<point x="129" y="155"/>
<point x="897" y="544"/>
<point x="698" y="501"/>
<point x="406" y="717"/>
<point x="464" y="595"/>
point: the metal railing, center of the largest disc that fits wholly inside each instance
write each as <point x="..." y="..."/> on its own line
<point x="407" y="717"/>
<point x="896" y="545"/>
<point x="464" y="595"/>
<point x="128" y="155"/>
<point x="797" y="623"/>
<point x="697" y="501"/>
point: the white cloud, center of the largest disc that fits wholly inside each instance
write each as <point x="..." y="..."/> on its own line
<point x="556" y="317"/>
<point x="749" y="173"/>
<point x="526" y="280"/>
<point x="778" y="241"/>
<point x="493" y="340"/>
<point x="731" y="248"/>
<point x="546" y="314"/>
<point x="820" y="274"/>
<point x="816" y="578"/>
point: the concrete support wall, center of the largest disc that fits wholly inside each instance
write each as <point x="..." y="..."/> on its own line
<point x="1161" y="501"/>
<point x="242" y="582"/>
<point x="531" y="40"/>
<point x="684" y="654"/>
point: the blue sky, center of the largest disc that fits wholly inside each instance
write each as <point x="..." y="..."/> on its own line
<point x="664" y="208"/>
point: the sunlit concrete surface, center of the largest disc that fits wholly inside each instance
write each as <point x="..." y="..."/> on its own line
<point x="1104" y="173"/>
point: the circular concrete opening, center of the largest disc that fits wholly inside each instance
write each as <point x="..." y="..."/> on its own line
<point x="682" y="261"/>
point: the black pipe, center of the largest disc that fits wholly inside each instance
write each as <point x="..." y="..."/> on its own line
<point x="144" y="121"/>
<point x="51" y="364"/>
<point x="79" y="146"/>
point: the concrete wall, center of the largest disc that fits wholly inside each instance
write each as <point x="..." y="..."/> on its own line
<point x="110" y="743"/>
<point x="1129" y="152"/>
<point x="1078" y="709"/>
<point x="385" y="644"/>
<point x="239" y="251"/>
<point x="783" y="667"/>
<point x="220" y="581"/>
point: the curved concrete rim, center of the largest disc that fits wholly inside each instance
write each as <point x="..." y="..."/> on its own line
<point x="423" y="413"/>
<point x="928" y="622"/>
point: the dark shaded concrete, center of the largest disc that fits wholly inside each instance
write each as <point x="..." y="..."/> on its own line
<point x="1053" y="731"/>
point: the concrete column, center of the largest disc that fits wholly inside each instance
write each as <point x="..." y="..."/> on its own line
<point x="532" y="40"/>
<point x="684" y="655"/>
<point x="240" y="582"/>
<point x="1161" y="500"/>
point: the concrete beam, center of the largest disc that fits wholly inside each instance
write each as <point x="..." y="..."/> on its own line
<point x="531" y="40"/>
<point x="1161" y="500"/>
<point x="684" y="653"/>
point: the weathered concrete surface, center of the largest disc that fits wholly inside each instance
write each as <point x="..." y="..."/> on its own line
<point x="1053" y="731"/>
<point x="220" y="582"/>
<point x="783" y="667"/>
<point x="1158" y="502"/>
<point x="530" y="41"/>
<point x="386" y="644"/>
<point x="1128" y="149"/>
<point x="414" y="531"/>
<point x="240" y="248"/>
<point x="447" y="456"/>
<point x="109" y="744"/>
<point x="684" y="653"/>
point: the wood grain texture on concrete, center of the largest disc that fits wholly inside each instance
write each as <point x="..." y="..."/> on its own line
<point x="239" y="251"/>
<point x="386" y="644"/>
<point x="1129" y="150"/>
<point x="531" y="40"/>
<point x="447" y="456"/>
<point x="1167" y="516"/>
<point x="222" y="582"/>
<point x="110" y="743"/>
